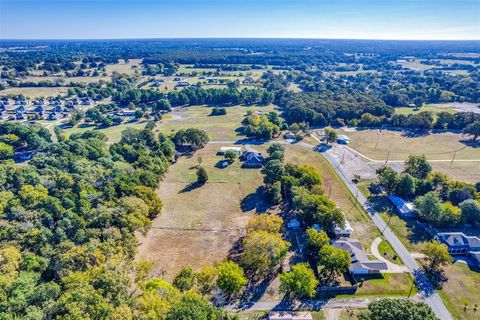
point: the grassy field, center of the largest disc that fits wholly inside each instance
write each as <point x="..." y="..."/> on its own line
<point x="430" y="108"/>
<point x="34" y="92"/>
<point x="199" y="226"/>
<point x="462" y="287"/>
<point x="218" y="127"/>
<point x="113" y="133"/>
<point x="123" y="67"/>
<point x="398" y="145"/>
<point x="67" y="79"/>
<point x="386" y="251"/>
<point x="387" y="285"/>
<point x="450" y="107"/>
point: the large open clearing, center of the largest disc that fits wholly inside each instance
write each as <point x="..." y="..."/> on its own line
<point x="439" y="147"/>
<point x="199" y="226"/>
<point x="220" y="128"/>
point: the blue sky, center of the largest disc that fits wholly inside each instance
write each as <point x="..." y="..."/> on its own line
<point x="362" y="19"/>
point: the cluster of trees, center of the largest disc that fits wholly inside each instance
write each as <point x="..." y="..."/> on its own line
<point x="191" y="138"/>
<point x="218" y="111"/>
<point x="68" y="220"/>
<point x="397" y="309"/>
<point x="263" y="126"/>
<point x="18" y="137"/>
<point x="193" y="95"/>
<point x="300" y="187"/>
<point x="263" y="247"/>
<point x="99" y="114"/>
<point x="438" y="199"/>
<point x="331" y="262"/>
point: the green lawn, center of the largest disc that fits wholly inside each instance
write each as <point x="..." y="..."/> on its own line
<point x="431" y="108"/>
<point x="113" y="133"/>
<point x="462" y="287"/>
<point x="386" y="250"/>
<point x="386" y="285"/>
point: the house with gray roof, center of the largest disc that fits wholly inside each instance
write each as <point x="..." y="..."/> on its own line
<point x="360" y="263"/>
<point x="459" y="244"/>
<point x="253" y="159"/>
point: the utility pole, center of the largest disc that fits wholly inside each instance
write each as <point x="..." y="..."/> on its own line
<point x="329" y="191"/>
<point x="454" y="154"/>
<point x="388" y="156"/>
<point x="343" y="157"/>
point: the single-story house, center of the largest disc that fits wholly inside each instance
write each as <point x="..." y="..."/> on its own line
<point x="125" y="113"/>
<point x="19" y="116"/>
<point x="289" y="136"/>
<point x="360" y="263"/>
<point x="183" y="84"/>
<point x="342" y="139"/>
<point x="238" y="150"/>
<point x="404" y="208"/>
<point x="290" y="315"/>
<point x="86" y="102"/>
<point x="252" y="159"/>
<point x="345" y="231"/>
<point x="20" y="109"/>
<point x="52" y="116"/>
<point x="57" y="108"/>
<point x="38" y="109"/>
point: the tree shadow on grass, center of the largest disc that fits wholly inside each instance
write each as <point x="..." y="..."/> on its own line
<point x="255" y="201"/>
<point x="470" y="143"/>
<point x="415" y="133"/>
<point x="256" y="288"/>
<point x="191" y="186"/>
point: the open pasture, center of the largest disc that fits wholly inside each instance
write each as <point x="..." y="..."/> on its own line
<point x="218" y="127"/>
<point x="199" y="225"/>
<point x="35" y="92"/>
<point x="400" y="144"/>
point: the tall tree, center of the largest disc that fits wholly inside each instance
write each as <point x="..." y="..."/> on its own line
<point x="300" y="281"/>
<point x="437" y="255"/>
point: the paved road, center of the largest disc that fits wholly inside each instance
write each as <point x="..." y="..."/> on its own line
<point x="355" y="303"/>
<point x="426" y="288"/>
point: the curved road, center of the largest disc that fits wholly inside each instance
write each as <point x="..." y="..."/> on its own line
<point x="424" y="285"/>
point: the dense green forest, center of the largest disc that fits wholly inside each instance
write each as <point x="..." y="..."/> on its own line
<point x="68" y="219"/>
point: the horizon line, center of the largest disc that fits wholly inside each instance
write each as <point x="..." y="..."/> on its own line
<point x="231" y="38"/>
